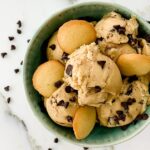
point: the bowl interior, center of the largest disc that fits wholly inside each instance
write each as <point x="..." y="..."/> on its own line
<point x="100" y="136"/>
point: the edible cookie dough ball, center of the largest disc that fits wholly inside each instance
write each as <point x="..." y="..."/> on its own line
<point x="123" y="109"/>
<point x="114" y="29"/>
<point x="62" y="105"/>
<point x="53" y="49"/>
<point x="94" y="75"/>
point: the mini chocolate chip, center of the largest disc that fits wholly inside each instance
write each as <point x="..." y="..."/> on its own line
<point x="101" y="63"/>
<point x="130" y="101"/>
<point x="113" y="100"/>
<point x="13" y="47"/>
<point x="97" y="89"/>
<point x="28" y="40"/>
<point x="19" y="31"/>
<point x="58" y="83"/>
<point x="69" y="70"/>
<point x="121" y="115"/>
<point x="129" y="91"/>
<point x="7" y="88"/>
<point x="68" y="89"/>
<point x="66" y="104"/>
<point x="73" y="99"/>
<point x="53" y="46"/>
<point x="11" y="38"/>
<point x="60" y="103"/>
<point x="21" y="63"/>
<point x="120" y="29"/>
<point x="16" y="70"/>
<point x="56" y="140"/>
<point x="64" y="56"/>
<point x="8" y="100"/>
<point x="3" y="54"/>
<point x="132" y="78"/>
<point x="124" y="105"/>
<point x="19" y="23"/>
<point x="69" y="118"/>
<point x="141" y="102"/>
<point x="85" y="148"/>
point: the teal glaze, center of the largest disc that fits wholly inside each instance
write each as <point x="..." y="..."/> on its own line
<point x="100" y="136"/>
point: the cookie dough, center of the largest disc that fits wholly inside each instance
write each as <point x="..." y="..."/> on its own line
<point x="62" y="105"/>
<point x="123" y="109"/>
<point x="94" y="75"/>
<point x="114" y="28"/>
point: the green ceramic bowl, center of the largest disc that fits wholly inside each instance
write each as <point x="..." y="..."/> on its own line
<point x="100" y="136"/>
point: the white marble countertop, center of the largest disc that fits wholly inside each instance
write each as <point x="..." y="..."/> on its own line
<point x="19" y="128"/>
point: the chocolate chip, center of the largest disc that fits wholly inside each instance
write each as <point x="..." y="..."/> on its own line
<point x="132" y="41"/>
<point x="98" y="40"/>
<point x="85" y="148"/>
<point x="132" y="78"/>
<point x="73" y="99"/>
<point x="53" y="46"/>
<point x="116" y="119"/>
<point x="19" y="31"/>
<point x="21" y="63"/>
<point x="101" y="63"/>
<point x="68" y="89"/>
<point x="124" y="105"/>
<point x="66" y="104"/>
<point x="143" y="116"/>
<point x="11" y="38"/>
<point x="141" y="102"/>
<point x="64" y="56"/>
<point x="129" y="91"/>
<point x="7" y="88"/>
<point x="130" y="101"/>
<point x="62" y="103"/>
<point x="120" y="29"/>
<point x="8" y="100"/>
<point x="121" y="115"/>
<point x="56" y="140"/>
<point x="3" y="54"/>
<point x="69" y="70"/>
<point x="49" y="148"/>
<point x="113" y="100"/>
<point x="124" y="127"/>
<point x="58" y="83"/>
<point x="69" y="118"/>
<point x="16" y="70"/>
<point x="13" y="47"/>
<point x="97" y="89"/>
<point x="19" y="23"/>
<point x="28" y="40"/>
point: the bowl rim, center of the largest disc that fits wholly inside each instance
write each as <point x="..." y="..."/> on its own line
<point x="53" y="15"/>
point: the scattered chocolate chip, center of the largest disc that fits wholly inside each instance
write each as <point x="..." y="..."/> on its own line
<point x="66" y="104"/>
<point x="64" y="56"/>
<point x="116" y="119"/>
<point x="97" y="89"/>
<point x="98" y="40"/>
<point x="49" y="148"/>
<point x="56" y="140"/>
<point x="147" y="38"/>
<point x="68" y="89"/>
<point x="121" y="115"/>
<point x="19" y="31"/>
<point x="3" y="54"/>
<point x="21" y="63"/>
<point x="11" y="38"/>
<point x="53" y="46"/>
<point x="113" y="100"/>
<point x="130" y="101"/>
<point x="73" y="99"/>
<point x="124" y="105"/>
<point x="69" y="70"/>
<point x="141" y="102"/>
<point x="132" y="78"/>
<point x="58" y="83"/>
<point x="16" y="70"/>
<point x="85" y="148"/>
<point x="28" y="40"/>
<point x="8" y="100"/>
<point x="19" y="23"/>
<point x="129" y="91"/>
<point x="7" y="88"/>
<point x="62" y="103"/>
<point x="69" y="118"/>
<point x="13" y="47"/>
<point x="124" y="127"/>
<point x="142" y="117"/>
<point x="120" y="29"/>
<point x="101" y="63"/>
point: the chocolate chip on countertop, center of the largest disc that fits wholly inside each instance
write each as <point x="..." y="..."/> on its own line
<point x="120" y="29"/>
<point x="13" y="47"/>
<point x="56" y="140"/>
<point x="69" y="70"/>
<point x="97" y="89"/>
<point x="49" y="148"/>
<point x="73" y="99"/>
<point x="69" y="118"/>
<point x="85" y="148"/>
<point x="7" y="88"/>
<point x="16" y="70"/>
<point x="58" y="83"/>
<point x="64" y="56"/>
<point x="19" y="31"/>
<point x="53" y="46"/>
<point x="11" y="38"/>
<point x="132" y="78"/>
<point x="19" y="23"/>
<point x="21" y="63"/>
<point x="3" y="54"/>
<point x="101" y="63"/>
<point x="8" y="100"/>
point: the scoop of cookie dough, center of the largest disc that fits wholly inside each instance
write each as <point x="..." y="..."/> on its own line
<point x="94" y="75"/>
<point x="123" y="109"/>
<point x="114" y="28"/>
<point x="62" y="105"/>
